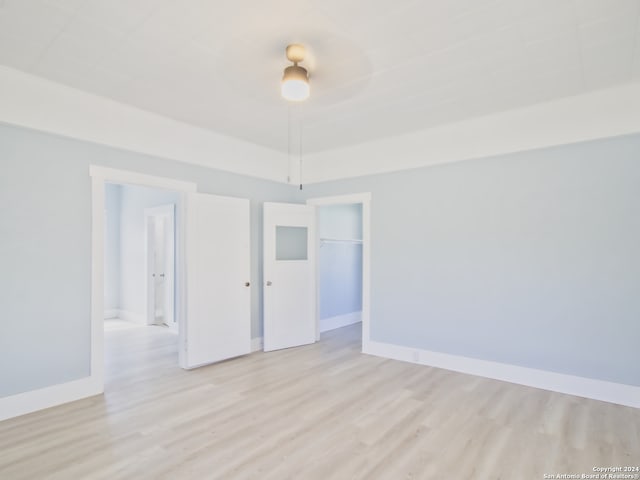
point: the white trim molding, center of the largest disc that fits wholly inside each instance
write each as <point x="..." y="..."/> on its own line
<point x="617" y="393"/>
<point x="341" y="199"/>
<point x="339" y="321"/>
<point x="133" y="317"/>
<point x="114" y="175"/>
<point x="600" y="114"/>
<point x="256" y="344"/>
<point x="125" y="315"/>
<point x="34" y="102"/>
<point x="28" y="402"/>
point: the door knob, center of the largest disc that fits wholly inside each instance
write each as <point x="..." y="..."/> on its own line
<point x="246" y="284"/>
<point x="269" y="283"/>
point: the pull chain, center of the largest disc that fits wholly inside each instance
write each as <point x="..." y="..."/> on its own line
<point x="290" y="120"/>
<point x="300" y="154"/>
<point x="288" y="144"/>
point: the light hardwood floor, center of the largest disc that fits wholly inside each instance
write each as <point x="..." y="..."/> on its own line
<point x="323" y="411"/>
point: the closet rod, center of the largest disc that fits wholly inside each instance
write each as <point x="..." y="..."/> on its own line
<point x="339" y="240"/>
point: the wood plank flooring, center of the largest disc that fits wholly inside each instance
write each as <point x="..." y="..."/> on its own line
<point x="323" y="411"/>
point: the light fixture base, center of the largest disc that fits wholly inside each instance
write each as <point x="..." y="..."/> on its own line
<point x="295" y="52"/>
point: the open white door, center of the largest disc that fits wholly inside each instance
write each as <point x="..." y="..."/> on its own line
<point x="160" y="243"/>
<point x="218" y="322"/>
<point x="289" y="275"/>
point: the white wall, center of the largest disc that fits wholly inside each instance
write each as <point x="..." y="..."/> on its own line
<point x="112" y="251"/>
<point x="340" y="260"/>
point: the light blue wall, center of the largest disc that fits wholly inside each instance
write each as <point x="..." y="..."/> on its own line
<point x="45" y="248"/>
<point x="340" y="221"/>
<point x="530" y="259"/>
<point x="340" y="263"/>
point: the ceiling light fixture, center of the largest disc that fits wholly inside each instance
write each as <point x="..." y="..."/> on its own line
<point x="295" y="81"/>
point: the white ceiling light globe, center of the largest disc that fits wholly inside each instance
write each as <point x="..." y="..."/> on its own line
<point x="295" y="90"/>
<point x="295" y="83"/>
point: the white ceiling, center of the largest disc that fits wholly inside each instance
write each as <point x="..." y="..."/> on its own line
<point x="378" y="67"/>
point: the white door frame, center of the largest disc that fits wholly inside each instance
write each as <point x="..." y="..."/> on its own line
<point x="99" y="177"/>
<point x="365" y="200"/>
<point x="169" y="212"/>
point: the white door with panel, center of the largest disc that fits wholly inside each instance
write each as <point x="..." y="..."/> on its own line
<point x="289" y="275"/>
<point x="160" y="238"/>
<point x="218" y="271"/>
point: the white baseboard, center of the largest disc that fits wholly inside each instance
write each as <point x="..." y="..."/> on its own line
<point x="618" y="393"/>
<point x="340" y="321"/>
<point x="27" y="402"/>
<point x="111" y="313"/>
<point x="256" y="344"/>
<point x="129" y="316"/>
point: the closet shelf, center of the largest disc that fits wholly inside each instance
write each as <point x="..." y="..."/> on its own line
<point x="340" y="240"/>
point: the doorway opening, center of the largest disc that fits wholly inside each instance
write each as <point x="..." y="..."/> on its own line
<point x="139" y="274"/>
<point x="343" y="265"/>
<point x="159" y="223"/>
<point x="339" y="273"/>
<point x="122" y="300"/>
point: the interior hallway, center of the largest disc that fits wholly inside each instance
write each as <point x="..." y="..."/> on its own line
<point x="316" y="412"/>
